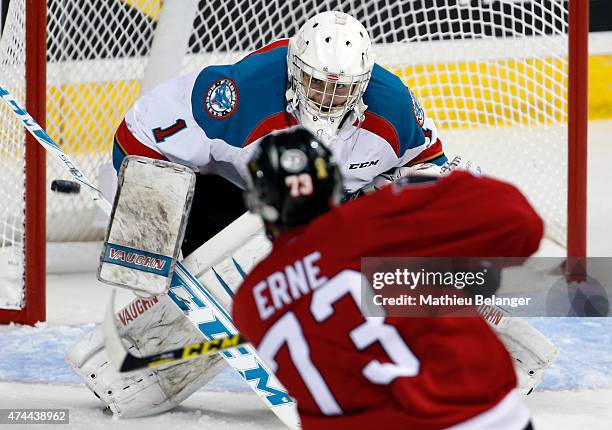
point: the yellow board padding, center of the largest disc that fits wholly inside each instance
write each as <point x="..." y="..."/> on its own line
<point x="600" y="87"/>
<point x="83" y="117"/>
<point x="151" y="8"/>
<point x="495" y="93"/>
<point x="505" y="92"/>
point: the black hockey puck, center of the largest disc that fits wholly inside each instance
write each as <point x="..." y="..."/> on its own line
<point x="64" y="186"/>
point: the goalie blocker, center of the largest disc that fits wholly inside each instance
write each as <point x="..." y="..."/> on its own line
<point x="147" y="224"/>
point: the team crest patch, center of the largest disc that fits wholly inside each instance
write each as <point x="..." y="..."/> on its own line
<point x="221" y="98"/>
<point x="419" y="113"/>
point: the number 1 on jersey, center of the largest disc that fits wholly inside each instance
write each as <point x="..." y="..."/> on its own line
<point x="161" y="134"/>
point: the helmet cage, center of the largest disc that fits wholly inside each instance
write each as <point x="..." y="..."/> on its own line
<point x="323" y="94"/>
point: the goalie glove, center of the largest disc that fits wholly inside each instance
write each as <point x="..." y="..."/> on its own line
<point x="458" y="163"/>
<point x="422" y="169"/>
<point x="384" y="179"/>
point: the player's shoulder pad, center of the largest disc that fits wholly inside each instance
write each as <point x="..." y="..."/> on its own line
<point x="230" y="101"/>
<point x="398" y="114"/>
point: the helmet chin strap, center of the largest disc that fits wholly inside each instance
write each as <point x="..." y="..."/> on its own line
<point x="324" y="129"/>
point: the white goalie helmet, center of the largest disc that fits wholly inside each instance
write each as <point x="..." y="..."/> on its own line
<point x="329" y="62"/>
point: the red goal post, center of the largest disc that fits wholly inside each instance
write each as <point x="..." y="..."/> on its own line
<point x="34" y="273"/>
<point x="577" y="138"/>
<point x="456" y="57"/>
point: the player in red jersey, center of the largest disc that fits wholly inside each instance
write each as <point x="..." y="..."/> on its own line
<point x="300" y="306"/>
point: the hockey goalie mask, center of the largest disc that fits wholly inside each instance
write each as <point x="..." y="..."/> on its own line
<point x="329" y="63"/>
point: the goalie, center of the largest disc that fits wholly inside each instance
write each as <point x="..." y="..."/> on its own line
<point x="323" y="78"/>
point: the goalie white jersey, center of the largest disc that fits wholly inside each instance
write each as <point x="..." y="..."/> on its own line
<point x="212" y="119"/>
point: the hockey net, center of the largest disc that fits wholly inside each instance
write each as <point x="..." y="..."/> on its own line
<point x="493" y="75"/>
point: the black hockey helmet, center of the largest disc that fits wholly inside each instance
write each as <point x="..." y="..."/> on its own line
<point x="291" y="178"/>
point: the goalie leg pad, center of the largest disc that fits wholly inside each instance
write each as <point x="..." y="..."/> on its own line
<point x="147" y="327"/>
<point x="531" y="351"/>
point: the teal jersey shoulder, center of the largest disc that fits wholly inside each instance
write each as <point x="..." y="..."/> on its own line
<point x="239" y="101"/>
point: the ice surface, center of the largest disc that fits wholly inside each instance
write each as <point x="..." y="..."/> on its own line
<point x="36" y="355"/>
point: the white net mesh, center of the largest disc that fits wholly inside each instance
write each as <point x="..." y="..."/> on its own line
<point x="493" y="75"/>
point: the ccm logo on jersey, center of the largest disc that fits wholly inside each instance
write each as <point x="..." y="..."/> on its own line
<point x="362" y="165"/>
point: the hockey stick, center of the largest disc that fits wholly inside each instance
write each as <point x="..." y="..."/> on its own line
<point x="125" y="362"/>
<point x="131" y="362"/>
<point x="53" y="148"/>
<point x="208" y="316"/>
